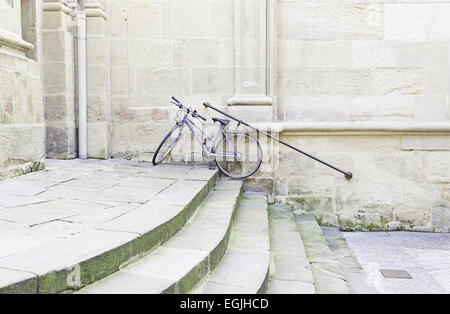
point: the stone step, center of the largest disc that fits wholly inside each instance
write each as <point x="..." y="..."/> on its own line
<point x="353" y="271"/>
<point x="180" y="264"/>
<point x="74" y="261"/>
<point x="245" y="267"/>
<point x="326" y="269"/>
<point x="290" y="271"/>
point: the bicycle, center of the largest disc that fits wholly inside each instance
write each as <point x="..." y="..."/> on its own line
<point x="238" y="155"/>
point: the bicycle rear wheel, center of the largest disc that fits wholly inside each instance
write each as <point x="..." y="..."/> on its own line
<point x="167" y="144"/>
<point x="240" y="155"/>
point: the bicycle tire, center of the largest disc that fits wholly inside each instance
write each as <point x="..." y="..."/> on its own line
<point x="171" y="144"/>
<point x="224" y="165"/>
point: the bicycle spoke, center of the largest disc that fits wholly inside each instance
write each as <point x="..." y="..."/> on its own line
<point x="240" y="155"/>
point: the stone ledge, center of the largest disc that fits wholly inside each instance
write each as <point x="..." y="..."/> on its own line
<point x="56" y="5"/>
<point x="355" y="128"/>
<point x="15" y="41"/>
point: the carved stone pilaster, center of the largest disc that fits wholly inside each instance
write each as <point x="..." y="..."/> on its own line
<point x="255" y="55"/>
<point x="99" y="107"/>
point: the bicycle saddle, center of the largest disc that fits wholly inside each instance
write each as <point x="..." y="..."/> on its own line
<point x="221" y="121"/>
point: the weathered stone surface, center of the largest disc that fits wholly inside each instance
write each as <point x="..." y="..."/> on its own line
<point x="290" y="267"/>
<point x="47" y="211"/>
<point x="17" y="282"/>
<point x="38" y="229"/>
<point x="325" y="268"/>
<point x="54" y="262"/>
<point x="424" y="255"/>
<point x="128" y="283"/>
<point x="353" y="271"/>
<point x="189" y="256"/>
<point x="245" y="266"/>
<point x="278" y="286"/>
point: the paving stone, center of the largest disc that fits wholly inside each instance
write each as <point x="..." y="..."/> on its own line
<point x="218" y="288"/>
<point x="168" y="263"/>
<point x="354" y="274"/>
<point x="326" y="269"/>
<point x="6" y="226"/>
<point x="143" y="219"/>
<point x="48" y="211"/>
<point x="127" y="283"/>
<point x="201" y="237"/>
<point x="331" y="232"/>
<point x="11" y="187"/>
<point x="250" y="241"/>
<point x="101" y="216"/>
<point x="424" y="256"/>
<point x="278" y="286"/>
<point x="66" y="252"/>
<point x="98" y="254"/>
<point x="290" y="268"/>
<point x="12" y="281"/>
<point x="242" y="268"/>
<point x="9" y="201"/>
<point x="327" y="280"/>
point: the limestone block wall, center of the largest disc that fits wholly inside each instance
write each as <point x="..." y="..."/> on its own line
<point x="401" y="178"/>
<point x="365" y="85"/>
<point x="160" y="49"/>
<point x="21" y="103"/>
<point x="363" y="60"/>
<point x="59" y="80"/>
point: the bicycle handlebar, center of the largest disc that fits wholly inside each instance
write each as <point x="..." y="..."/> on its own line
<point x="194" y="113"/>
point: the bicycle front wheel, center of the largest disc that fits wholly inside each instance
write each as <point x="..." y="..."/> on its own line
<point x="238" y="155"/>
<point x="167" y="144"/>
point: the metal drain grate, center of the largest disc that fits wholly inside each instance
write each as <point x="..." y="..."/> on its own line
<point x="399" y="274"/>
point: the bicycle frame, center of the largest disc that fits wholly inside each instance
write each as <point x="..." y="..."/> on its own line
<point x="192" y="126"/>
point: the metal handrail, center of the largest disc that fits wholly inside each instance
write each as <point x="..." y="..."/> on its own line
<point x="348" y="174"/>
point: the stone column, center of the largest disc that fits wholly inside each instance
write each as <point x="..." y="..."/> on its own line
<point x="254" y="47"/>
<point x="59" y="80"/>
<point x="99" y="109"/>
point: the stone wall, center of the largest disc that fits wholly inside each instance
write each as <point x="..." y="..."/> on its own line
<point x="343" y="79"/>
<point x="363" y="60"/>
<point x="21" y="103"/>
<point x="160" y="49"/>
<point x="59" y="67"/>
<point x="365" y="85"/>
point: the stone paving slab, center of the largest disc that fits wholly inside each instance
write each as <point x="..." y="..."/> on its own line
<point x="290" y="268"/>
<point x="242" y="268"/>
<point x="135" y="284"/>
<point x="278" y="286"/>
<point x="425" y="256"/>
<point x="17" y="282"/>
<point x="353" y="271"/>
<point x="92" y="214"/>
<point x="327" y="273"/>
<point x="49" y="211"/>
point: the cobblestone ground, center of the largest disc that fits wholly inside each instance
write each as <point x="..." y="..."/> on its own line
<point x="425" y="256"/>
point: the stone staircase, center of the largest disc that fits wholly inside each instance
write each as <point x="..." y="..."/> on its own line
<point x="309" y="259"/>
<point x="71" y="262"/>
<point x="197" y="235"/>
